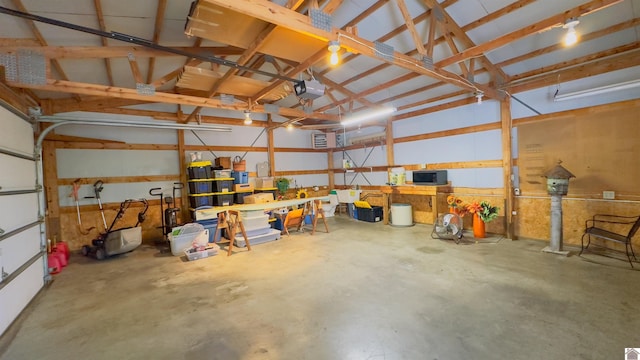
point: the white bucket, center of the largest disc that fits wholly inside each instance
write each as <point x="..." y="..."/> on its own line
<point x="401" y="215"/>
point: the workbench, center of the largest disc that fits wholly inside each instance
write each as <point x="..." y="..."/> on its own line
<point x="420" y="190"/>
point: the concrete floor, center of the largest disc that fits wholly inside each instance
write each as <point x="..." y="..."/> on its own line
<point x="364" y="291"/>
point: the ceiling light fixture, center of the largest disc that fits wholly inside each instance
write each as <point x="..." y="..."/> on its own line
<point x="333" y="48"/>
<point x="290" y="127"/>
<point x="368" y="115"/>
<point x="598" y="90"/>
<point x="247" y="117"/>
<point x="571" y="37"/>
<point x="479" y="95"/>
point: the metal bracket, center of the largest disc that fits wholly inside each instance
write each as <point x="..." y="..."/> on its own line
<point x="1" y="231"/>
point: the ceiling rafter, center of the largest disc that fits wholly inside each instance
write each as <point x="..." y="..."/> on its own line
<point x="268" y="11"/>
<point x="450" y="25"/>
<point x="107" y="63"/>
<point x="539" y="26"/>
<point x="157" y="29"/>
<point x="135" y="69"/>
<point x="244" y="58"/>
<point x="98" y="52"/>
<point x="125" y="93"/>
<point x="411" y="27"/>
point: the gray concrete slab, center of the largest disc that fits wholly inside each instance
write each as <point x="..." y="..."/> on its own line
<point x="364" y="291"/>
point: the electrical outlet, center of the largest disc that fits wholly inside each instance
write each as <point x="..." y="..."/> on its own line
<point x="609" y="195"/>
<point x="423" y="166"/>
<point x="516" y="191"/>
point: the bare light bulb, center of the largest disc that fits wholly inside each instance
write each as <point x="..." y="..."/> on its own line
<point x="333" y="59"/>
<point x="290" y="127"/>
<point x="479" y="96"/>
<point x="333" y="47"/>
<point x="571" y="37"/>
<point x="247" y="117"/>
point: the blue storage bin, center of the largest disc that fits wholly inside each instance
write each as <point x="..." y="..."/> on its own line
<point x="212" y="226"/>
<point x="240" y="177"/>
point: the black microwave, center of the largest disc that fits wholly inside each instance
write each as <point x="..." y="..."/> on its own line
<point x="430" y="177"/>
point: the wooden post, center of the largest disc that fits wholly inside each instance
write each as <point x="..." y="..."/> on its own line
<point x="507" y="164"/>
<point x="389" y="133"/>
<point x="184" y="201"/>
<point x="50" y="181"/>
<point x="330" y="168"/>
<point x="270" y="147"/>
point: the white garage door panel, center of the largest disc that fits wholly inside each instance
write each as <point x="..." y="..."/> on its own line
<point x="18" y="211"/>
<point x="16" y="173"/>
<point x="18" y="249"/>
<point x="15" y="296"/>
<point x="16" y="134"/>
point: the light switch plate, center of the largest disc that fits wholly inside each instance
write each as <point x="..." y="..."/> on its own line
<point x="609" y="195"/>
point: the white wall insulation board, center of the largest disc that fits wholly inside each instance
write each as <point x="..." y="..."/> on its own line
<point x="459" y="117"/>
<point x="542" y="99"/>
<point x="476" y="178"/>
<point x="115" y="193"/>
<point x="486" y="145"/>
<point x="377" y="156"/>
<point x="17" y="173"/>
<point x="295" y="138"/>
<point x="129" y="135"/>
<point x="308" y="181"/>
<point x="77" y="163"/>
<point x="239" y="136"/>
<point x="21" y="210"/>
<point x="300" y="161"/>
<point x="15" y="296"/>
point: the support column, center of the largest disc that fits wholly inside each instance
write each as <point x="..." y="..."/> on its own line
<point x="555" y="244"/>
<point x="389" y="140"/>
<point x="270" y="147"/>
<point x="50" y="181"/>
<point x="507" y="165"/>
<point x="184" y="201"/>
<point x="330" y="168"/>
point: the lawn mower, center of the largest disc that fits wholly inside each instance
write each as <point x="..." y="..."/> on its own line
<point x="123" y="240"/>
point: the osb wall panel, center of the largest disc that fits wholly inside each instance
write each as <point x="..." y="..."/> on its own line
<point x="533" y="217"/>
<point x="92" y="225"/>
<point x="594" y="156"/>
<point x="497" y="226"/>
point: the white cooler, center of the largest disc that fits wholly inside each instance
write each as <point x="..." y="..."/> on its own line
<point x="401" y="215"/>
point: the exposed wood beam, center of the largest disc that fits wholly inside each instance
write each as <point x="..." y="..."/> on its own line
<point x="157" y="29"/>
<point x="450" y="25"/>
<point x="601" y="66"/>
<point x="332" y="6"/>
<point x="273" y="13"/>
<point x="11" y="97"/>
<point x="345" y="91"/>
<point x="411" y="27"/>
<point x="34" y="29"/>
<point x="118" y="92"/>
<point x="535" y="28"/>
<point x="135" y="69"/>
<point x="578" y="61"/>
<point x="431" y="41"/>
<point x="100" y="52"/>
<point x="497" y="14"/>
<point x="69" y="105"/>
<point x="433" y="109"/>
<point x="173" y="74"/>
<point x="17" y="43"/>
<point x="583" y="38"/>
<point x="107" y="63"/>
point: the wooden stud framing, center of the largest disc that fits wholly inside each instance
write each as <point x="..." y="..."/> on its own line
<point x="507" y="166"/>
<point x="270" y="146"/>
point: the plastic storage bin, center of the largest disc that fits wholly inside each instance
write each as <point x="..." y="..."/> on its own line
<point x="238" y="197"/>
<point x="223" y="199"/>
<point x="225" y="173"/>
<point x="240" y="177"/>
<point x="194" y="254"/>
<point x="222" y="185"/>
<point x="179" y="243"/>
<point x="255" y="240"/>
<point x="255" y="222"/>
<point x="199" y="170"/>
<point x="197" y="200"/>
<point x="212" y="226"/>
<point x="371" y="215"/>
<point x="200" y="186"/>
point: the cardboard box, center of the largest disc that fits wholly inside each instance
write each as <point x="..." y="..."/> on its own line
<point x="242" y="187"/>
<point x="260" y="198"/>
<point x="225" y="162"/>
<point x="264" y="183"/>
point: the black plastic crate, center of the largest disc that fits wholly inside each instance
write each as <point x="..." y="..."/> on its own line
<point x="371" y="215"/>
<point x="200" y="170"/>
<point x="223" y="199"/>
<point x="238" y="197"/>
<point x="197" y="200"/>
<point x="200" y="186"/>
<point x="222" y="185"/>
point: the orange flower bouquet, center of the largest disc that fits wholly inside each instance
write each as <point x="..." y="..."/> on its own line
<point x="456" y="205"/>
